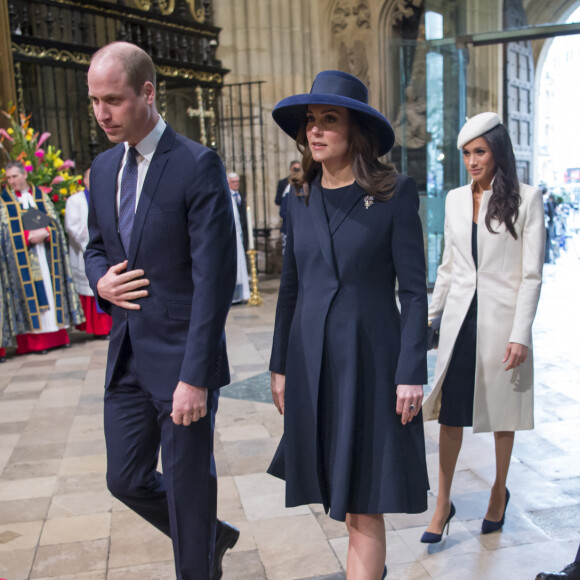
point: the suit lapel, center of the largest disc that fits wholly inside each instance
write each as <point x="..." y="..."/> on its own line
<point x="346" y="206"/>
<point x="109" y="189"/>
<point x="316" y="207"/>
<point x="152" y="178"/>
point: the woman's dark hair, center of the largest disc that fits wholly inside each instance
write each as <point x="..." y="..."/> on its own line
<point x="505" y="197"/>
<point x="376" y="178"/>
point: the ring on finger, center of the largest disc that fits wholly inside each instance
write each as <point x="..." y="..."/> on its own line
<point x="412" y="407"/>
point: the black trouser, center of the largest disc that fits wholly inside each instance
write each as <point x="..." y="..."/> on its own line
<point x="181" y="502"/>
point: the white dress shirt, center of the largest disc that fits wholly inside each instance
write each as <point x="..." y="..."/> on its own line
<point x="145" y="149"/>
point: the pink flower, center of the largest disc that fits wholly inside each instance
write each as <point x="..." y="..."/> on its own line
<point x="29" y="167"/>
<point x="57" y="179"/>
<point x="39" y="153"/>
<point x="45" y="189"/>
<point x="66" y="165"/>
<point x="43" y="138"/>
<point x="5" y="135"/>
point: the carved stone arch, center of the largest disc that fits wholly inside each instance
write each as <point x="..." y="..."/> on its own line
<point x="540" y="12"/>
<point x="352" y="35"/>
<point x="391" y="15"/>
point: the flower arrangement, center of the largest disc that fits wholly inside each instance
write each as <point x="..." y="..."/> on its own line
<point x="45" y="166"/>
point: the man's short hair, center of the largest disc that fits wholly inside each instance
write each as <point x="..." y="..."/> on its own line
<point x="136" y="63"/>
<point x="294" y="162"/>
<point x="233" y="175"/>
<point x="16" y="164"/>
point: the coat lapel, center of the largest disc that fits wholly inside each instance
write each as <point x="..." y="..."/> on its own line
<point x="465" y="223"/>
<point x="316" y="206"/>
<point x="346" y="206"/>
<point x="154" y="173"/>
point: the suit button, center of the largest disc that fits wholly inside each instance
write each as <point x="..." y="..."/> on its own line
<point x="126" y="315"/>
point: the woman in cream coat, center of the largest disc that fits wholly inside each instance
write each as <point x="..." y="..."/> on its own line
<point x="487" y="291"/>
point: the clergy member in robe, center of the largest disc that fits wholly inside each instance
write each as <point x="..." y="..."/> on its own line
<point x="43" y="301"/>
<point x="242" y="291"/>
<point x="77" y="227"/>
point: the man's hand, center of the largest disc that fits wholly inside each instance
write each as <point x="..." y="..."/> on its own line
<point x="189" y="404"/>
<point x="409" y="399"/>
<point x="38" y="236"/>
<point x="515" y="355"/>
<point x="119" y="288"/>
<point x="278" y="385"/>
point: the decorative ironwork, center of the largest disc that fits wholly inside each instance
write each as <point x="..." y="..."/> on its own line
<point x="52" y="45"/>
<point x="202" y="114"/>
<point x="190" y="74"/>
<point x="168" y="7"/>
<point x="162" y="98"/>
<point x="19" y="91"/>
<point x="54" y="54"/>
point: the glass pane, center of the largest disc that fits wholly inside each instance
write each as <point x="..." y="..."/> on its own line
<point x="430" y="111"/>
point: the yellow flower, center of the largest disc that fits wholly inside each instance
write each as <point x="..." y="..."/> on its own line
<point x="58" y="162"/>
<point x="28" y="137"/>
<point x="62" y="211"/>
<point x="10" y="131"/>
<point x="62" y="191"/>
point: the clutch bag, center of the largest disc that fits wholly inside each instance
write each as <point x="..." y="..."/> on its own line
<point x="433" y="332"/>
<point x="34" y="219"/>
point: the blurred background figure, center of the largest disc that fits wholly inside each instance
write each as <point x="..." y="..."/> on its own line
<point x="284" y="187"/>
<point x="242" y="291"/>
<point x="76" y="224"/>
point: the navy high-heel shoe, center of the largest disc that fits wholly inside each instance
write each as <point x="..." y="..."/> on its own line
<point x="432" y="538"/>
<point x="384" y="573"/>
<point x="487" y="526"/>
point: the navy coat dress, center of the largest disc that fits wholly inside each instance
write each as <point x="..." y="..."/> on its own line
<point x="344" y="347"/>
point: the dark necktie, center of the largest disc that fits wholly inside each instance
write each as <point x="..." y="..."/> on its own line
<point x="128" y="197"/>
<point x="237" y="197"/>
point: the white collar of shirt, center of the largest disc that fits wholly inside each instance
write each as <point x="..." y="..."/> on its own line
<point x="26" y="199"/>
<point x="145" y="149"/>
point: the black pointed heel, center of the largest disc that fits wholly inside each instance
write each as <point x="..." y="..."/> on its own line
<point x="432" y="538"/>
<point x="384" y="573"/>
<point x="487" y="526"/>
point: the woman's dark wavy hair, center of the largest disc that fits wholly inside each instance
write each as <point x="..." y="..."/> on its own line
<point x="505" y="197"/>
<point x="376" y="178"/>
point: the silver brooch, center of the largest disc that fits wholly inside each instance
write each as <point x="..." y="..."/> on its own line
<point x="369" y="200"/>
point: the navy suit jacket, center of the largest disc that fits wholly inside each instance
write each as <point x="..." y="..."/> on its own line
<point x="184" y="239"/>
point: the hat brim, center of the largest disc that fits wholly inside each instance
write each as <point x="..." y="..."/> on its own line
<point x="290" y="115"/>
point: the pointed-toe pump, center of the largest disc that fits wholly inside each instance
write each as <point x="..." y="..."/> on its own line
<point x="487" y="526"/>
<point x="430" y="537"/>
<point x="384" y="573"/>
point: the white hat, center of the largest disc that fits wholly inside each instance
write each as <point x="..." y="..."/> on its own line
<point x="476" y="127"/>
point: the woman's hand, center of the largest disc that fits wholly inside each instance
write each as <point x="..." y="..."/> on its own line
<point x="515" y="355"/>
<point x="278" y="384"/>
<point x="409" y="396"/>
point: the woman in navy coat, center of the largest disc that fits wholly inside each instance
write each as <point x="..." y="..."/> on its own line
<point x="347" y="367"/>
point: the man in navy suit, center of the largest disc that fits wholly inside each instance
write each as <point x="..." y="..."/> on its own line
<point x="162" y="261"/>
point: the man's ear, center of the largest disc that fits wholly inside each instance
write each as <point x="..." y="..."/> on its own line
<point x="149" y="91"/>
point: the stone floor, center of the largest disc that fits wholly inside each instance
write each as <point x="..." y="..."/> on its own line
<point x="58" y="521"/>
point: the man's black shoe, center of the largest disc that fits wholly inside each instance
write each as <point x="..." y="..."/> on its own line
<point x="226" y="538"/>
<point x="570" y="572"/>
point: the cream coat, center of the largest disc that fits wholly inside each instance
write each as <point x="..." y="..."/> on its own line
<point x="508" y="282"/>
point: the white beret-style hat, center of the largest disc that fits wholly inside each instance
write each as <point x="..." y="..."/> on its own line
<point x="476" y="127"/>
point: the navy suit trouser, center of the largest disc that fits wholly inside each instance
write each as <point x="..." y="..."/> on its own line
<point x="181" y="502"/>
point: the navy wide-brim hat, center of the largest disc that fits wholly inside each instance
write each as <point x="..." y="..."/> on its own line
<point x="333" y="87"/>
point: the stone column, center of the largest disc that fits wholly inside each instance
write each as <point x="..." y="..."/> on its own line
<point x="281" y="43"/>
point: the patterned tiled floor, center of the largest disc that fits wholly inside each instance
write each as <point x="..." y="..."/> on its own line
<point x="57" y="521"/>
